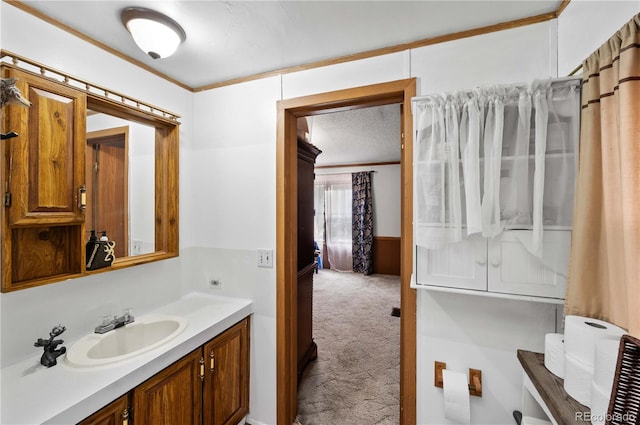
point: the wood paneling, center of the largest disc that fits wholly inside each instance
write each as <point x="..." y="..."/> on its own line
<point x="386" y="255"/>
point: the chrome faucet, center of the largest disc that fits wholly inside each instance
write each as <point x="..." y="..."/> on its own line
<point x="110" y="323"/>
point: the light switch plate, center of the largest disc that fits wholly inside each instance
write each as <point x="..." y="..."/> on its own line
<point x="265" y="258"/>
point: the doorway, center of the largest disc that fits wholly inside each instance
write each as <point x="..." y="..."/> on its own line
<point x="286" y="236"/>
<point x="107" y="186"/>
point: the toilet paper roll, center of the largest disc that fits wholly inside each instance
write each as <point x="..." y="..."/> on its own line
<point x="554" y="354"/>
<point x="599" y="404"/>
<point x="577" y="379"/>
<point x="456" y="397"/>
<point x="528" y="420"/>
<point x="581" y="334"/>
<point x="606" y="357"/>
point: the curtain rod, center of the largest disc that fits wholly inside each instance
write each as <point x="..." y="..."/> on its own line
<point x="519" y="85"/>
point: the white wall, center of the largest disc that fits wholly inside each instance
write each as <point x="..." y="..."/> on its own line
<point x="227" y="199"/>
<point x="233" y="167"/>
<point x="585" y="25"/>
<point x="490" y="331"/>
<point x="470" y="331"/>
<point x="386" y="189"/>
<point x="79" y="303"/>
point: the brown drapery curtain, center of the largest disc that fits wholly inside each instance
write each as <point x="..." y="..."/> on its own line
<point x="604" y="268"/>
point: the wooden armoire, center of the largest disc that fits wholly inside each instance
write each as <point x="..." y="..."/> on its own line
<point x="307" y="349"/>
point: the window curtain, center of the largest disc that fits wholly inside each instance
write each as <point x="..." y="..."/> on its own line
<point x="337" y="210"/>
<point x="362" y="223"/>
<point x="604" y="268"/>
<point x="482" y="157"/>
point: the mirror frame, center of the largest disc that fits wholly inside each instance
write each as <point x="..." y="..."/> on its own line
<point x="166" y="208"/>
<point x="166" y="180"/>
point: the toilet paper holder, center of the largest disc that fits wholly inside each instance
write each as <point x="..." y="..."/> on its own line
<point x="475" y="379"/>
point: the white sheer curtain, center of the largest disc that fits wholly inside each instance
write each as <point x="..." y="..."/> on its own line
<point x="337" y="212"/>
<point x="482" y="160"/>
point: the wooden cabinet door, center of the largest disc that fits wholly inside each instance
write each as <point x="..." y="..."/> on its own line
<point x="116" y="413"/>
<point x="226" y="384"/>
<point x="45" y="163"/>
<point x="173" y="396"/>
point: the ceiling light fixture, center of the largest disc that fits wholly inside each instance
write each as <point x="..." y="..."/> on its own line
<point x="156" y="34"/>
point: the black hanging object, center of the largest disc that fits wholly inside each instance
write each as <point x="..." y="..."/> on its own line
<point x="10" y="135"/>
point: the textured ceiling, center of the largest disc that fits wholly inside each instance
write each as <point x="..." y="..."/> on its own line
<point x="358" y="136"/>
<point x="234" y="39"/>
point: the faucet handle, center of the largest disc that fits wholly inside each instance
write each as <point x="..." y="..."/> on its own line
<point x="128" y="317"/>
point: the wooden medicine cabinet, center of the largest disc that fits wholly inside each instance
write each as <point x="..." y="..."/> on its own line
<point x="60" y="178"/>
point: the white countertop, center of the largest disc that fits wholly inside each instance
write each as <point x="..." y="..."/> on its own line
<point x="34" y="394"/>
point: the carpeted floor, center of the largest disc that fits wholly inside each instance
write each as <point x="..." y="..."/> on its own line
<point x="355" y="379"/>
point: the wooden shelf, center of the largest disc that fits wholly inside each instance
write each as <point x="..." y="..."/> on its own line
<point x="562" y="406"/>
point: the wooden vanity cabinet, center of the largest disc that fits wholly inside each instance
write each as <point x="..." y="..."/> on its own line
<point x="209" y="386"/>
<point x="116" y="413"/>
<point x="173" y="396"/>
<point x="226" y="382"/>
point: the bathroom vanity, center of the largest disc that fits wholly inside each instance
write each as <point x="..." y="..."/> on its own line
<point x="201" y="373"/>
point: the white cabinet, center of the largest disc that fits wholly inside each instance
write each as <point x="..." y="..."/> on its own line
<point x="460" y="265"/>
<point x="498" y="161"/>
<point x="498" y="266"/>
<point x="511" y="269"/>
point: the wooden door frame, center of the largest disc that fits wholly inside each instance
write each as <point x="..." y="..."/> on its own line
<point x="107" y="136"/>
<point x="289" y="110"/>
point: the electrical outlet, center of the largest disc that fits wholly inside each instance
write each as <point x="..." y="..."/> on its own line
<point x="265" y="258"/>
<point x="136" y="246"/>
<point x="215" y="283"/>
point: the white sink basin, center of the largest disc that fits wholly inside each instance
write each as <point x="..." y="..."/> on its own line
<point x="146" y="333"/>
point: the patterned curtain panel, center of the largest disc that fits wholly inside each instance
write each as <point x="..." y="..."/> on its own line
<point x="362" y="219"/>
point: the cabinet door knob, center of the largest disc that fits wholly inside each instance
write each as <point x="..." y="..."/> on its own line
<point x="212" y="361"/>
<point x="495" y="262"/>
<point x="481" y="261"/>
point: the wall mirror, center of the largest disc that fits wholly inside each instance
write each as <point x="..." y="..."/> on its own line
<point x="119" y="175"/>
<point x="83" y="158"/>
<point x="131" y="175"/>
